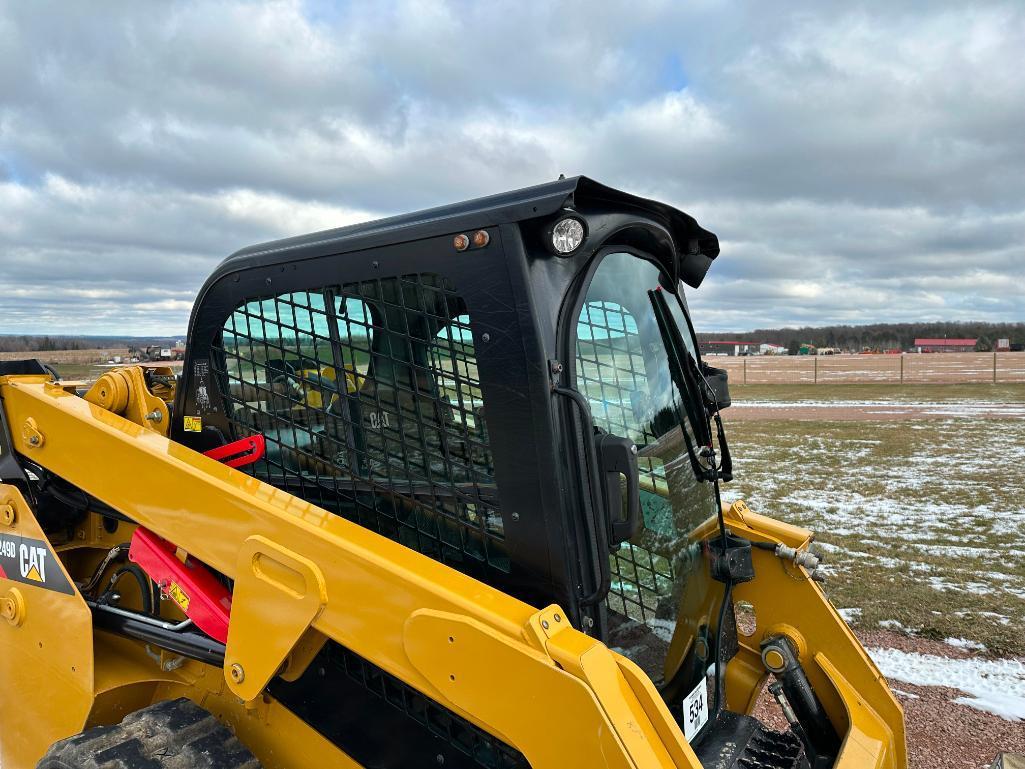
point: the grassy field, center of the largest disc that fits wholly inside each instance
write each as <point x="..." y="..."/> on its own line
<point x="85" y="371"/>
<point x="982" y="392"/>
<point x="921" y="521"/>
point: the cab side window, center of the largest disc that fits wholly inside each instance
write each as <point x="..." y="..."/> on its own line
<point x="282" y="370"/>
<point x="370" y="402"/>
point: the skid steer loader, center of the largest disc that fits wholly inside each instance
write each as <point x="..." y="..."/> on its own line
<point x="440" y="490"/>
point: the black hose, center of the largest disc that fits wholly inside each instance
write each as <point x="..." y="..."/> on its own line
<point x="115" y="554"/>
<point x="145" y="588"/>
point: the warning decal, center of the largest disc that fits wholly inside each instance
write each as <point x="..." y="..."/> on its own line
<point x="31" y="562"/>
<point x="179" y="596"/>
<point x="193" y="424"/>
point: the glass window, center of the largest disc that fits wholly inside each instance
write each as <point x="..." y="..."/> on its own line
<point x="622" y="369"/>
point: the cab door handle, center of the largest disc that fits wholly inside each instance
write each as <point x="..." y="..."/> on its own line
<point x="618" y="456"/>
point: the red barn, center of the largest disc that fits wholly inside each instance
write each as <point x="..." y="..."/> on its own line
<point x="945" y="345"/>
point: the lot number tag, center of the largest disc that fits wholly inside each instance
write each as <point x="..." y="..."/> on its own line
<point x="695" y="710"/>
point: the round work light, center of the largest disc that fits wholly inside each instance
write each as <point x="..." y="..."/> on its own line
<point x="567" y="235"/>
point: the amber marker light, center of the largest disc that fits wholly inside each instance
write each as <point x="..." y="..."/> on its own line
<point x="481" y="238"/>
<point x="461" y="242"/>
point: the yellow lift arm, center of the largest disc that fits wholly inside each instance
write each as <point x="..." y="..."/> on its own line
<point x="514" y="671"/>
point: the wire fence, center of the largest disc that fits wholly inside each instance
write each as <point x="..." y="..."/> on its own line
<point x="908" y="368"/>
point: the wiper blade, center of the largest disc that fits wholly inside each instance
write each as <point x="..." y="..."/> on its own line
<point x="725" y="468"/>
<point x="687" y="385"/>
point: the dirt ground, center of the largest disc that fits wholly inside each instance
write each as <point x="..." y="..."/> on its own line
<point x="862" y="412"/>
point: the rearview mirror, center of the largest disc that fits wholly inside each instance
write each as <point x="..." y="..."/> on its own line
<point x="715" y="387"/>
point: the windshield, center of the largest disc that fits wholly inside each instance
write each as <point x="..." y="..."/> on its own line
<point x="622" y="368"/>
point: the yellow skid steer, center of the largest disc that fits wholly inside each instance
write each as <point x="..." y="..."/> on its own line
<point x="440" y="490"/>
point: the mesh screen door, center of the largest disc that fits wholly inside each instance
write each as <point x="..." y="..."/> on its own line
<point x="370" y="402"/>
<point x="612" y="375"/>
<point x="622" y="368"/>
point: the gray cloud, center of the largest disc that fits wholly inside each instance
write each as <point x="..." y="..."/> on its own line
<point x="861" y="164"/>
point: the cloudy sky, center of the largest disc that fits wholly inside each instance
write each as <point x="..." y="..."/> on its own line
<point x="859" y="165"/>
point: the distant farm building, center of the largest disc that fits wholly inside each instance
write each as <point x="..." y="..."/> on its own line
<point x="719" y="347"/>
<point x="772" y="349"/>
<point x="945" y="345"/>
<point x="807" y="349"/>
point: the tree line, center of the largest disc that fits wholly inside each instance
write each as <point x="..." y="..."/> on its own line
<point x="877" y="336"/>
<point x="47" y="343"/>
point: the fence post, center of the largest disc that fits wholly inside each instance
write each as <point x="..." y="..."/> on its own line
<point x="994" y="367"/>
<point x="816" y="369"/>
<point x="902" y="368"/>
<point x="745" y="370"/>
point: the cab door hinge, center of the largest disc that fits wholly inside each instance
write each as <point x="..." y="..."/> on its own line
<point x="555" y="369"/>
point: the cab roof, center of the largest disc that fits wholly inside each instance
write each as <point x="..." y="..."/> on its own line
<point x="577" y="192"/>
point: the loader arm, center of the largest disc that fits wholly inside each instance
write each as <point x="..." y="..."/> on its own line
<point x="492" y="659"/>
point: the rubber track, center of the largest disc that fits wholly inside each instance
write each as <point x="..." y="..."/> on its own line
<point x="177" y="734"/>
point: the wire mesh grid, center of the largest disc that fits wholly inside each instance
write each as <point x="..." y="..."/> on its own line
<point x="612" y="375"/>
<point x="486" y="750"/>
<point x="369" y="398"/>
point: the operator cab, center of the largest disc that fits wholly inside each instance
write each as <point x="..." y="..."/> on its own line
<point x="510" y="386"/>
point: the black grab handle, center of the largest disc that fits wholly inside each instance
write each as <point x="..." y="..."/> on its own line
<point x="618" y="456"/>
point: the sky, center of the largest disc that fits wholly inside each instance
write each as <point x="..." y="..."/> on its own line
<point x="860" y="162"/>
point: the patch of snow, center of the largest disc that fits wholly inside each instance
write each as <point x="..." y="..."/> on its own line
<point x="1002" y="619"/>
<point x="956" y="551"/>
<point x="634" y="653"/>
<point x="850" y="616"/>
<point x="663" y="628"/>
<point x="993" y="686"/>
<point x="957" y="409"/>
<point x="895" y="624"/>
<point x="1007" y="706"/>
<point x="979" y="588"/>
<point x="908" y="695"/>
<point x="965" y="643"/>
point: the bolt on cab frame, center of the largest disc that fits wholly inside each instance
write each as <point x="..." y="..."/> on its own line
<point x="485" y="456"/>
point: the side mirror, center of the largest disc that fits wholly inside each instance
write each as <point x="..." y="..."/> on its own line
<point x="715" y="389"/>
<point x="618" y="457"/>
